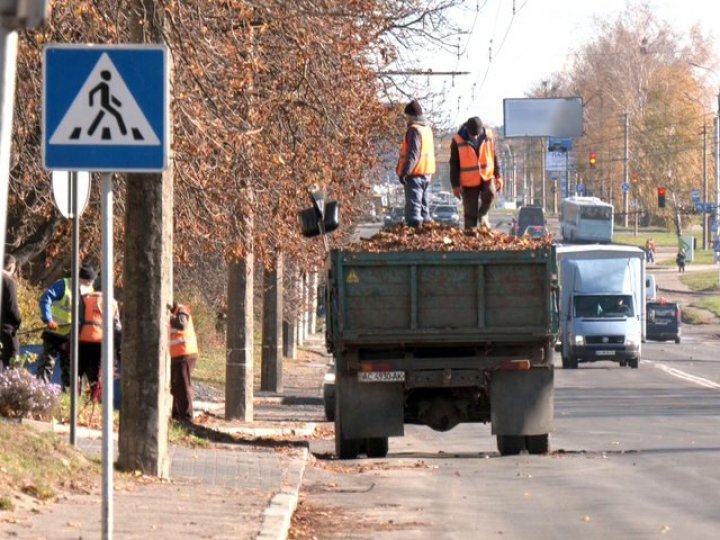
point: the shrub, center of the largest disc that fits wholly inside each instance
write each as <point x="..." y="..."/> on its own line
<point x="23" y="395"/>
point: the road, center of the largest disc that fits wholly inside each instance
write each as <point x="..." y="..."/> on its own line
<point x="635" y="454"/>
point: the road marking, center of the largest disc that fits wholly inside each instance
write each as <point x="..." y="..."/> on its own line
<point x="707" y="383"/>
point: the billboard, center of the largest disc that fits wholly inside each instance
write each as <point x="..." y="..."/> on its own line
<point x="543" y="117"/>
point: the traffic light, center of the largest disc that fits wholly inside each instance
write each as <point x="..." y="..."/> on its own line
<point x="593" y="159"/>
<point x="634" y="177"/>
<point x="661" y="197"/>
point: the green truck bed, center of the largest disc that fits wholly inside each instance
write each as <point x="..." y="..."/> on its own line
<point x="420" y="298"/>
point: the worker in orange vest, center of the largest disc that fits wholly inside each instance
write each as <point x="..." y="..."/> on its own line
<point x="416" y="165"/>
<point x="475" y="171"/>
<point x="91" y="338"/>
<point x="183" y="357"/>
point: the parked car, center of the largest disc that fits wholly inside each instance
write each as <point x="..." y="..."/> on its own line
<point x="664" y="321"/>
<point x="446" y="214"/>
<point x="536" y="232"/>
<point x="530" y="215"/>
<point x="394" y="216"/>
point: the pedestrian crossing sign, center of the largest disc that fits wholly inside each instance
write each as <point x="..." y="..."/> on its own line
<point x="105" y="108"/>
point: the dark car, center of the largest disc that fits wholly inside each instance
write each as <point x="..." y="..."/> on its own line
<point x="446" y="214"/>
<point x="529" y="215"/>
<point x="394" y="216"/>
<point x="663" y="321"/>
<point x="536" y="232"/>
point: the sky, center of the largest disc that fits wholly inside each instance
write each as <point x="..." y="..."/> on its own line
<point x="532" y="44"/>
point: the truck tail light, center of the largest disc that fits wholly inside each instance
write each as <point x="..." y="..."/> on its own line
<point x="515" y="365"/>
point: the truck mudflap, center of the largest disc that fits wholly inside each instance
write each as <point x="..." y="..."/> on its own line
<point x="368" y="409"/>
<point x="522" y="402"/>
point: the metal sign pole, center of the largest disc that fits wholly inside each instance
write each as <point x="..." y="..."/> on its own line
<point x="107" y="356"/>
<point x="8" y="55"/>
<point x="75" y="335"/>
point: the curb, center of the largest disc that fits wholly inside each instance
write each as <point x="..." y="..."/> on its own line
<point x="278" y="515"/>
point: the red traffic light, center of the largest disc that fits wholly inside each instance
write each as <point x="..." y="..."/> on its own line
<point x="593" y="159"/>
<point x="661" y="197"/>
<point x="661" y="192"/>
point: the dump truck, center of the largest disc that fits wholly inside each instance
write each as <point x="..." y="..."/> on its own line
<point x="440" y="338"/>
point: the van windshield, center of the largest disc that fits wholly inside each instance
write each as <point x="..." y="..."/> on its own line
<point x="603" y="306"/>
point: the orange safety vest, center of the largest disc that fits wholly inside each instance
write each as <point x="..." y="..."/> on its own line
<point x="475" y="168"/>
<point x="91" y="324"/>
<point x="426" y="163"/>
<point x="183" y="342"/>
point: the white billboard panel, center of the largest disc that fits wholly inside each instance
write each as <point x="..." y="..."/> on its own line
<point x="543" y="117"/>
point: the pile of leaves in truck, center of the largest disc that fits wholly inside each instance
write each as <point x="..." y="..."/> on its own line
<point x="437" y="237"/>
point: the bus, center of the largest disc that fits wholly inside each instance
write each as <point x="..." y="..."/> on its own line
<point x="586" y="219"/>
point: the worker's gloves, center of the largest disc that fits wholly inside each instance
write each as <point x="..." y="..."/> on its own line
<point x="52" y="325"/>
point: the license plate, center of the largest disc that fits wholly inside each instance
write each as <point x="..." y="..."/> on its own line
<point x="605" y="353"/>
<point x="381" y="376"/>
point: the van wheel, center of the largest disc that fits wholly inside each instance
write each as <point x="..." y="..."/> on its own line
<point x="538" y="444"/>
<point x="634" y="363"/>
<point x="572" y="363"/>
<point x="677" y="339"/>
<point x="510" y="445"/>
<point x="565" y="363"/>
<point x="623" y="363"/>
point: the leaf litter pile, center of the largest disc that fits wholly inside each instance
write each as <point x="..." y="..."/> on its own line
<point x="437" y="237"/>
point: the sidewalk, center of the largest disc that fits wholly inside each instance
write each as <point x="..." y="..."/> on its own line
<point x="241" y="489"/>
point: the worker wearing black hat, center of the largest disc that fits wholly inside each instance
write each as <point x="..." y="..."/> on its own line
<point x="56" y="313"/>
<point x="474" y="171"/>
<point x="416" y="165"/>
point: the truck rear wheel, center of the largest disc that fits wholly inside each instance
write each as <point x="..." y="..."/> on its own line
<point x="537" y="444"/>
<point x="510" y="445"/>
<point x="376" y="447"/>
<point x="634" y="363"/>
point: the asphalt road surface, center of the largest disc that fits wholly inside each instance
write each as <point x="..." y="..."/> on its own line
<point x="635" y="454"/>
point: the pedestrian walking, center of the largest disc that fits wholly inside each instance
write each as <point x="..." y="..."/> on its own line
<point x="416" y="165"/>
<point x="650" y="250"/>
<point x="475" y="171"/>
<point x="680" y="260"/>
<point x="90" y="339"/>
<point x="10" y="318"/>
<point x="183" y="357"/>
<point x="56" y="313"/>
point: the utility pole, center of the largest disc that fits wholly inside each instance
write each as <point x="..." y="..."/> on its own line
<point x="626" y="201"/>
<point x="14" y="15"/>
<point x="542" y="173"/>
<point x="705" y="187"/>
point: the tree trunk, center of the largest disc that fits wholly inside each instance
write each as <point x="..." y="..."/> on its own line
<point x="271" y="375"/>
<point x="145" y="400"/>
<point x="239" y="367"/>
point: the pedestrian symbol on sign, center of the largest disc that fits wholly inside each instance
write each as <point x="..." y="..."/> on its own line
<point x="105" y="101"/>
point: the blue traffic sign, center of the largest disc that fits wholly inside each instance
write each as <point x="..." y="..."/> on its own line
<point x="580" y="188"/>
<point x="105" y="108"/>
<point x="625" y="187"/>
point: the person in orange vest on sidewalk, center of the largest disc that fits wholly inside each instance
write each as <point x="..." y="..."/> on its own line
<point x="183" y="357"/>
<point x="475" y="171"/>
<point x="91" y="338"/>
<point x="416" y="165"/>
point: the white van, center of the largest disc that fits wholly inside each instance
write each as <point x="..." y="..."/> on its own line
<point x="650" y="288"/>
